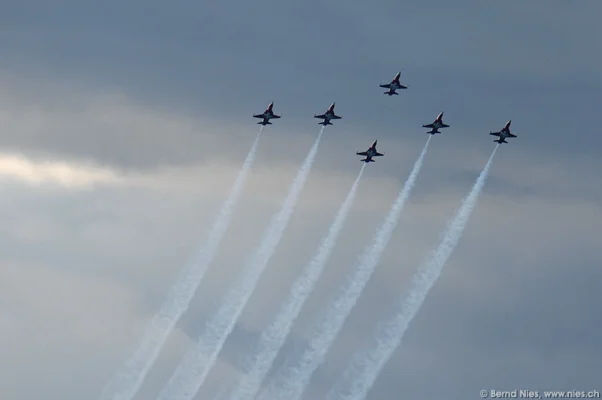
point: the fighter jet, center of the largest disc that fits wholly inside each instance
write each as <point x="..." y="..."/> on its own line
<point x="438" y="123"/>
<point x="371" y="152"/>
<point x="393" y="86"/>
<point x="267" y="115"/>
<point x="327" y="116"/>
<point x="503" y="134"/>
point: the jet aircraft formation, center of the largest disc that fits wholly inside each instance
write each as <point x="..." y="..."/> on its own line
<point x="393" y="86"/>
<point x="200" y="359"/>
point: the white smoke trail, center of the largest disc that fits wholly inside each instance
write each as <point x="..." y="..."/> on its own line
<point x="256" y="366"/>
<point x="291" y="381"/>
<point x="194" y="368"/>
<point x="365" y="367"/>
<point x="127" y="380"/>
<point x="221" y="394"/>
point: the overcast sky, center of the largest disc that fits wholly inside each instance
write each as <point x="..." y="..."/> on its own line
<point x="123" y="126"/>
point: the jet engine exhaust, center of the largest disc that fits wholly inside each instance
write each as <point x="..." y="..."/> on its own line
<point x="192" y="371"/>
<point x="291" y="380"/>
<point x="256" y="366"/>
<point x="361" y="373"/>
<point x="129" y="377"/>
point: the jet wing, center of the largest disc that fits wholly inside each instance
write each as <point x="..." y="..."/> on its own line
<point x="511" y="134"/>
<point x="386" y="85"/>
<point x="378" y="154"/>
<point x="258" y="116"/>
<point x="362" y="153"/>
<point x="322" y="116"/>
<point x="495" y="133"/>
<point x="275" y="116"/>
<point x="336" y="117"/>
<point x="428" y="126"/>
<point x="444" y="126"/>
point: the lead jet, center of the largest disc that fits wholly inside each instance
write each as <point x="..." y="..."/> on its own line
<point x="267" y="115"/>
<point x="393" y="86"/>
<point x="371" y="152"/>
<point x="438" y="123"/>
<point x="327" y="116"/>
<point x="504" y="133"/>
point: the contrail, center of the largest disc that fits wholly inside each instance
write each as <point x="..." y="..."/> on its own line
<point x="366" y="365"/>
<point x="221" y="394"/>
<point x="291" y="381"/>
<point x="192" y="371"/>
<point x="129" y="377"/>
<point x="256" y="366"/>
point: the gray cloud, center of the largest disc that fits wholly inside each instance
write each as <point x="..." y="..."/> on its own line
<point x="161" y="94"/>
<point x="228" y="60"/>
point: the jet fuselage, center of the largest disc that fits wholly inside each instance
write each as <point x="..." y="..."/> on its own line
<point x="371" y="152"/>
